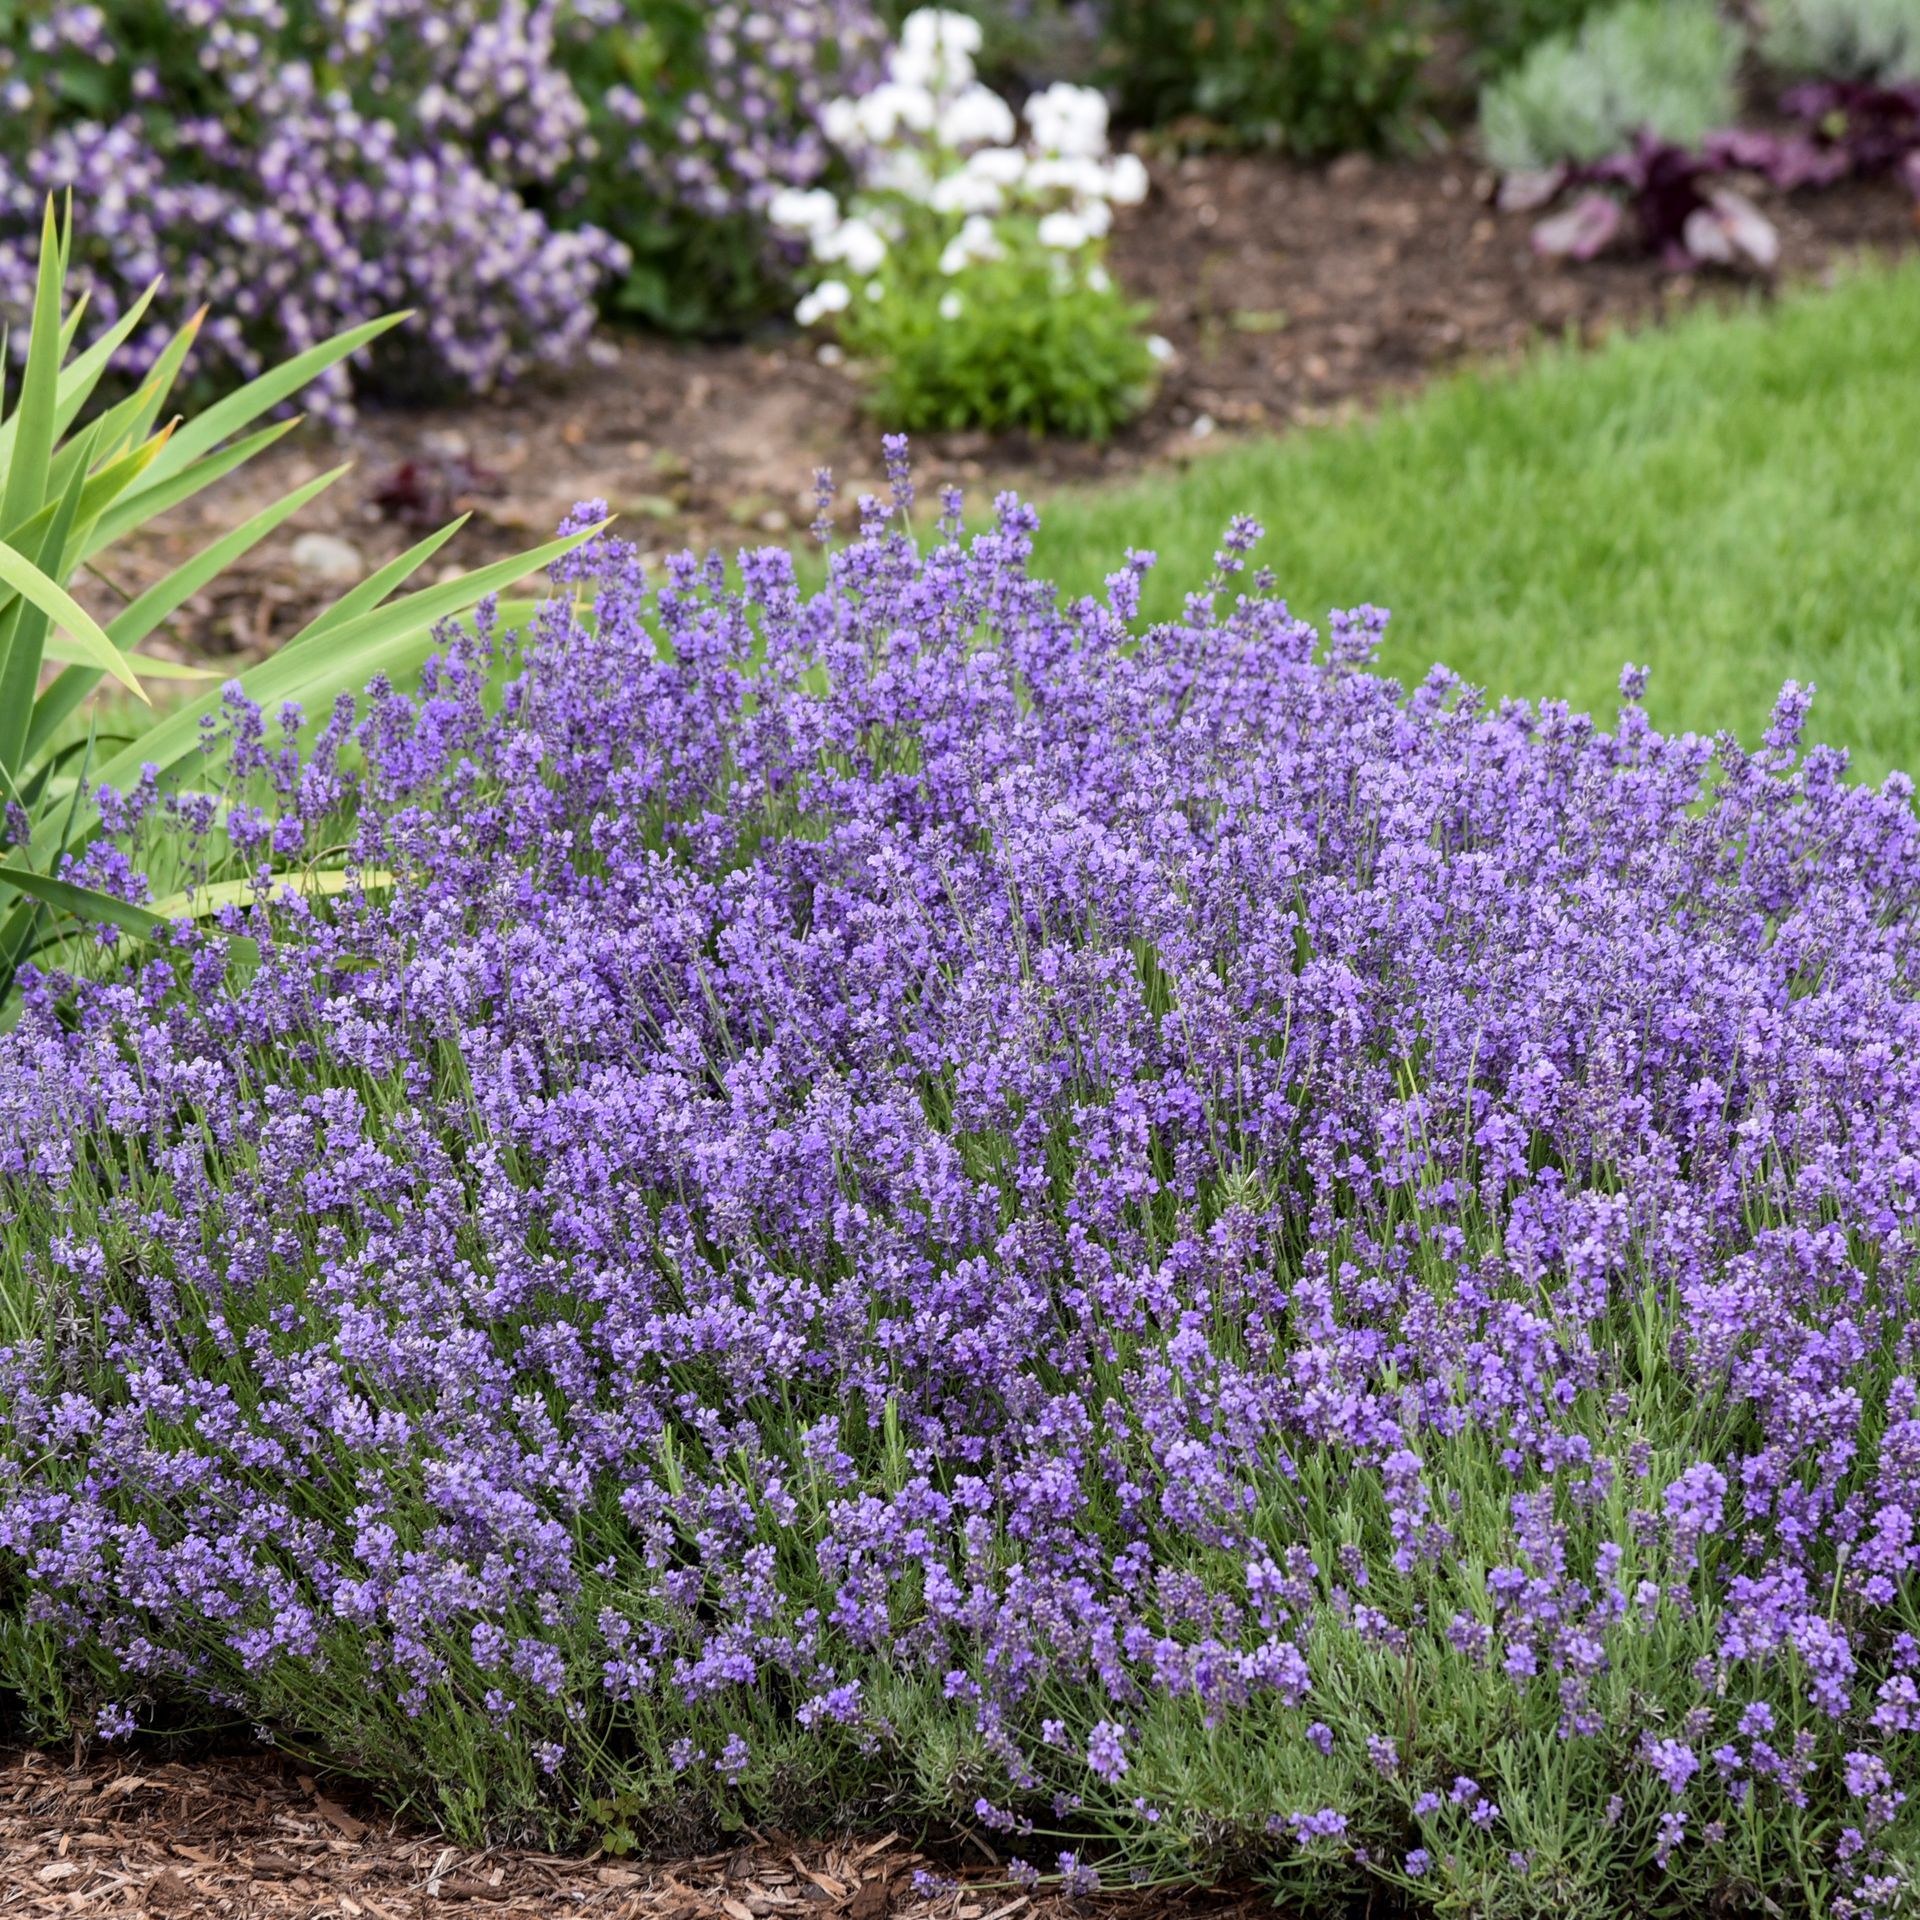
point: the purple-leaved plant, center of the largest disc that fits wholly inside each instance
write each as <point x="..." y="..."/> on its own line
<point x="1670" y="200"/>
<point x="1682" y="202"/>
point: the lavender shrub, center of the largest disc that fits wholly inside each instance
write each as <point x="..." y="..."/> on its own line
<point x="919" y="1196"/>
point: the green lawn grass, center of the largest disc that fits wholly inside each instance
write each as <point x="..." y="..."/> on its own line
<point x="1734" y="501"/>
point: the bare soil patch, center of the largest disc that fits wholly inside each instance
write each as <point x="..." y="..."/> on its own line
<point x="1291" y="294"/>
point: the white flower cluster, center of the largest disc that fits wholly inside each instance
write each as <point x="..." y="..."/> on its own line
<point x="932" y="137"/>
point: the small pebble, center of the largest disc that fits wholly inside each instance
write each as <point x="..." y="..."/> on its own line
<point x="327" y="558"/>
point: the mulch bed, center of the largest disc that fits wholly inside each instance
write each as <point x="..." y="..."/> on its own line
<point x="254" y="1838"/>
<point x="1292" y="294"/>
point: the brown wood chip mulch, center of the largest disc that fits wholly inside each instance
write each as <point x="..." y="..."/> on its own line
<point x="257" y="1840"/>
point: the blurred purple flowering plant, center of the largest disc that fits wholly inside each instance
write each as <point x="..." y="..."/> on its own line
<point x="699" y="116"/>
<point x="303" y="165"/>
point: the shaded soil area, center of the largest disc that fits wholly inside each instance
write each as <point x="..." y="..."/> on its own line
<point x="1290" y="294"/>
<point x="254" y="1838"/>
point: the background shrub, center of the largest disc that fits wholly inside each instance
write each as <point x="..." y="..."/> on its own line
<point x="1312" y="76"/>
<point x="1025" y="343"/>
<point x="1027" y="43"/>
<point x="1876" y="40"/>
<point x="494" y="164"/>
<point x="209" y="149"/>
<point x="1662" y="67"/>
<point x="699" y="114"/>
<point x="1494" y="35"/>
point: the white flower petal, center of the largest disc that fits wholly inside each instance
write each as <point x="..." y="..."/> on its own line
<point x="1127" y="181"/>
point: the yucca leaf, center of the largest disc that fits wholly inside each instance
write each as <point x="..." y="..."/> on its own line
<point x="96" y="449"/>
<point x="99" y="490"/>
<point x="80" y="376"/>
<point x="16" y="935"/>
<point x="59" y="605"/>
<point x="164" y="598"/>
<point x="65" y="896"/>
<point x="120" y="429"/>
<point x="430" y="605"/>
<point x="106" y="482"/>
<point x="33" y="422"/>
<point x="70" y="322"/>
<point x="26" y="625"/>
<point x="42" y="779"/>
<point x="245" y="404"/>
<point x="141" y="616"/>
<point x="516" y="613"/>
<point x="393" y="640"/>
<point x="149" y="667"/>
<point x="125" y="515"/>
<point x="375" y="588"/>
<point x="79" y="379"/>
<point x="166" y="370"/>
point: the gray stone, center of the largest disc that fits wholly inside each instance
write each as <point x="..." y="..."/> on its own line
<point x="326" y="558"/>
